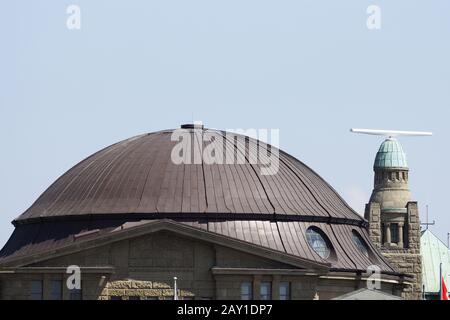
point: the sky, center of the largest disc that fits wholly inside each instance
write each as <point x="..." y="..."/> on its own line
<point x="312" y="69"/>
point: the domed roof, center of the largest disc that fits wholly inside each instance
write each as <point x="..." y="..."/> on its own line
<point x="141" y="180"/>
<point x="138" y="177"/>
<point x="390" y="155"/>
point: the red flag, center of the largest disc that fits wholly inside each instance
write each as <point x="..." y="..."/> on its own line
<point x="444" y="292"/>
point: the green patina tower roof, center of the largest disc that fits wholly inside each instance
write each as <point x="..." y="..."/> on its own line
<point x="434" y="253"/>
<point x="390" y="155"/>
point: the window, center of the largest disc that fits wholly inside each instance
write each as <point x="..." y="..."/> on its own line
<point x="246" y="291"/>
<point x="36" y="290"/>
<point x="115" y="298"/>
<point x="394" y="232"/>
<point x="318" y="242"/>
<point x="285" y="291"/>
<point x="55" y="290"/>
<point x="360" y="243"/>
<point x="134" y="298"/>
<point x="266" y="291"/>
<point x="76" y="294"/>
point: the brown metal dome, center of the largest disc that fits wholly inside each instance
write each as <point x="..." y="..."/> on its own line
<point x="137" y="176"/>
<point x="136" y="180"/>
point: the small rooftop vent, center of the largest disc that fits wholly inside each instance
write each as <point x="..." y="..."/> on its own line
<point x="196" y="125"/>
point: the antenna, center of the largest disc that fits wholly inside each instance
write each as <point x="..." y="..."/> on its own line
<point x="448" y="240"/>
<point x="426" y="224"/>
<point x="391" y="133"/>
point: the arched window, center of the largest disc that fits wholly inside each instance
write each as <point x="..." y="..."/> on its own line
<point x="360" y="243"/>
<point x="319" y="242"/>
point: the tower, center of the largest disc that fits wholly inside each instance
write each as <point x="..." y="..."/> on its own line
<point x="393" y="217"/>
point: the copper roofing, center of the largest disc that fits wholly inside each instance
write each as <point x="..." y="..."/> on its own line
<point x="136" y="180"/>
<point x="137" y="176"/>
<point x="390" y="155"/>
<point x="435" y="255"/>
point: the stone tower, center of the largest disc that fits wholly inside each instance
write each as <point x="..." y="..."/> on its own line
<point x="393" y="218"/>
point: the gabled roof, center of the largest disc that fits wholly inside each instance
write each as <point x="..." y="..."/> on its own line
<point x="434" y="252"/>
<point x="285" y="237"/>
<point x="367" y="294"/>
<point x="135" y="229"/>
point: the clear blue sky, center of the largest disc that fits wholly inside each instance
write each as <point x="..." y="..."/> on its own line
<point x="310" y="68"/>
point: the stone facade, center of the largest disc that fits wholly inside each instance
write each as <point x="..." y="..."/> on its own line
<point x="406" y="257"/>
<point x="143" y="267"/>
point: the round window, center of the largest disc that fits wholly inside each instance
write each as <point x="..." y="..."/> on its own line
<point x="360" y="243"/>
<point x="318" y="242"/>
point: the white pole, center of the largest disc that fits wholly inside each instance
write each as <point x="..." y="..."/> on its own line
<point x="175" y="289"/>
<point x="440" y="281"/>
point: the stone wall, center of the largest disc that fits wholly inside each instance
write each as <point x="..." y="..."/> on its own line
<point x="373" y="216"/>
<point x="410" y="264"/>
<point x="405" y="260"/>
<point x="145" y="267"/>
<point x="127" y="289"/>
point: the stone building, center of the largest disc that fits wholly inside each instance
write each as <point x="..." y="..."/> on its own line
<point x="394" y="224"/>
<point x="131" y="218"/>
